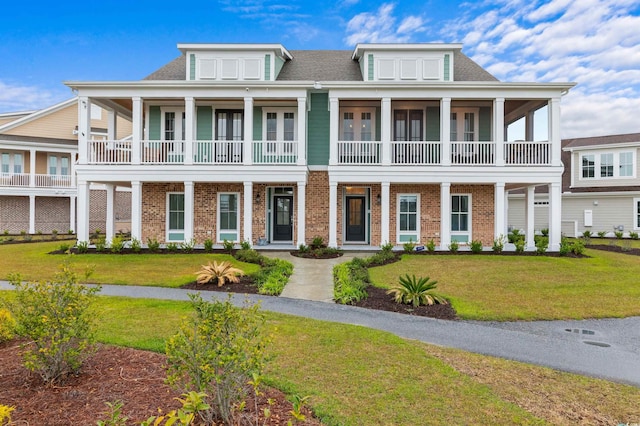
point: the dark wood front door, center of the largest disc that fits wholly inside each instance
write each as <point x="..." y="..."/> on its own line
<point x="355" y="220"/>
<point x="283" y="218"/>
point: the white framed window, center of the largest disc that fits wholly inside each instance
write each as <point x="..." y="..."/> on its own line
<point x="279" y="126"/>
<point x="357" y="124"/>
<point x="12" y="163"/>
<point x="172" y="126"/>
<point x="175" y="216"/>
<point x="465" y="124"/>
<point x="608" y="165"/>
<point x="408" y="214"/>
<point x="58" y="165"/>
<point x="228" y="216"/>
<point x="461" y="218"/>
<point x="636" y="213"/>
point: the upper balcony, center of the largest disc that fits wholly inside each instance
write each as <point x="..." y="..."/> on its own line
<point x="26" y="180"/>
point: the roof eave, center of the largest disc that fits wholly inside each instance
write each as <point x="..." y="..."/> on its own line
<point x="184" y="47"/>
<point x="361" y="47"/>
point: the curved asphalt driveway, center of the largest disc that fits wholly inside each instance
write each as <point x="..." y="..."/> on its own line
<point x="546" y="343"/>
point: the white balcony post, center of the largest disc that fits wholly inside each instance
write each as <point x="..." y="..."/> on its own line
<point x="498" y="133"/>
<point x="334" y="125"/>
<point x="188" y="211"/>
<point x="445" y="215"/>
<point x="384" y="212"/>
<point x="111" y="201"/>
<point x="505" y="230"/>
<point x="302" y="131"/>
<point x="302" y="209"/>
<point x="385" y="130"/>
<point x="530" y="217"/>
<point x="84" y="128"/>
<point x="136" y="210"/>
<point x="445" y="131"/>
<point x="333" y="214"/>
<point x="499" y="208"/>
<point x="32" y="214"/>
<point x="83" y="211"/>
<point x="72" y="213"/>
<point x="247" y="212"/>
<point x="32" y="167"/>
<point x="112" y="123"/>
<point x="248" y="132"/>
<point x="554" y="131"/>
<point x="189" y="120"/>
<point x="137" y="127"/>
<point x="555" y="216"/>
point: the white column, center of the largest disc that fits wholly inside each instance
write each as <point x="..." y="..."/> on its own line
<point x="445" y="131"/>
<point x="248" y="132"/>
<point x="334" y="126"/>
<point x="555" y="216"/>
<point x="137" y="125"/>
<point x="189" y="207"/>
<point x="384" y="212"/>
<point x="189" y="121"/>
<point x="302" y="202"/>
<point x="554" y="131"/>
<point x="445" y="215"/>
<point x="72" y="213"/>
<point x="385" y="130"/>
<point x="505" y="231"/>
<point x="247" y="212"/>
<point x="529" y="126"/>
<point x="112" y="125"/>
<point x="333" y="214"/>
<point x="302" y="131"/>
<point x="84" y="128"/>
<point x="32" y="214"/>
<point x="500" y="210"/>
<point x="82" y="232"/>
<point x="32" y="167"/>
<point x="498" y="133"/>
<point x="136" y="210"/>
<point x="111" y="201"/>
<point x="529" y="201"/>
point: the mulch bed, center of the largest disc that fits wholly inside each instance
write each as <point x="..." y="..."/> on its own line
<point x="315" y="255"/>
<point x="112" y="374"/>
<point x="615" y="248"/>
<point x="245" y="286"/>
<point x="379" y="299"/>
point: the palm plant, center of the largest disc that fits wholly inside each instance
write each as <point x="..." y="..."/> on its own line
<point x="219" y="273"/>
<point x="416" y="291"/>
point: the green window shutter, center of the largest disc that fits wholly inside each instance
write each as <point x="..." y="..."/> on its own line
<point x="204" y="128"/>
<point x="257" y="123"/>
<point x="267" y="67"/>
<point x="484" y="133"/>
<point x="447" y="60"/>
<point x="192" y="67"/>
<point x="318" y="130"/>
<point x="154" y="123"/>
<point x="433" y="124"/>
<point x="378" y="124"/>
<point x="370" y="67"/>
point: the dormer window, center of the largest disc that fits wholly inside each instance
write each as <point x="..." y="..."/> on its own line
<point x="607" y="165"/>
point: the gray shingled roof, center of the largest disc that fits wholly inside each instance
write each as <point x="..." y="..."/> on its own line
<point x="328" y="65"/>
<point x="600" y="140"/>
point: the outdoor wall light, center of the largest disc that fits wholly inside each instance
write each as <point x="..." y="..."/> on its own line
<point x="378" y="199"/>
<point x="258" y="198"/>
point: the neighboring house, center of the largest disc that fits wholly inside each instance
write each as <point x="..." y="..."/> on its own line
<point x="38" y="151"/>
<point x="385" y="143"/>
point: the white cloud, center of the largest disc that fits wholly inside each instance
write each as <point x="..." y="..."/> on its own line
<point x="380" y="27"/>
<point x="20" y="98"/>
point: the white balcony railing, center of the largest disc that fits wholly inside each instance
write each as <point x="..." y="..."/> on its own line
<point x="359" y="152"/>
<point x="53" y="181"/>
<point x="275" y="152"/>
<point x="521" y="153"/>
<point x="473" y="153"/>
<point x="14" y="179"/>
<point x="415" y="153"/>
<point x="108" y="152"/>
<point x="162" y="152"/>
<point x="217" y="152"/>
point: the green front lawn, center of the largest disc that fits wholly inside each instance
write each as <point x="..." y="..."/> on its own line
<point x="528" y="287"/>
<point x="162" y="270"/>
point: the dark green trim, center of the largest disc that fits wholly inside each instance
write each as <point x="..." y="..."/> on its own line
<point x="257" y="123"/>
<point x="378" y="124"/>
<point x="204" y="123"/>
<point x="447" y="62"/>
<point x="267" y="67"/>
<point x="484" y="124"/>
<point x="192" y="67"/>
<point x="318" y="130"/>
<point x="155" y="118"/>
<point x="433" y="124"/>
<point x="370" y="66"/>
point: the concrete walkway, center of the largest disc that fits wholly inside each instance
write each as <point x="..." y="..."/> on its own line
<point x="608" y="349"/>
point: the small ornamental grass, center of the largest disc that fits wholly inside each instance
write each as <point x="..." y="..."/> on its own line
<point x="219" y="273"/>
<point x="416" y="291"/>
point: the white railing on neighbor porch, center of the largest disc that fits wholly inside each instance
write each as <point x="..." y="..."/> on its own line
<point x="14" y="179"/>
<point x="162" y="152"/>
<point x="523" y="153"/>
<point x="419" y="153"/>
<point x="473" y="153"/>
<point x="108" y="152"/>
<point x="275" y="152"/>
<point x="53" y="181"/>
<point x="359" y="152"/>
<point x="217" y="152"/>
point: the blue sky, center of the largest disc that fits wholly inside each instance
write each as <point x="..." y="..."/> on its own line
<point x="595" y="43"/>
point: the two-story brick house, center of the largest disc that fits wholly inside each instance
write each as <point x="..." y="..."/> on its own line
<point x="385" y="143"/>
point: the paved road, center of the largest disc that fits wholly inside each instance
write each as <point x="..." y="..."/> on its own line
<point x="544" y="343"/>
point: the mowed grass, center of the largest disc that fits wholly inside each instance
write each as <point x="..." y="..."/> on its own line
<point x="528" y="287"/>
<point x="33" y="262"/>
<point x="359" y="376"/>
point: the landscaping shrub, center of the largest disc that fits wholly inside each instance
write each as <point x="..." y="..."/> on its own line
<point x="380" y="258"/>
<point x="416" y="291"/>
<point x="249" y="256"/>
<point x="409" y="247"/>
<point x="541" y="245"/>
<point x="5" y="414"/>
<point x="602" y="234"/>
<point x="476" y="246"/>
<point x="82" y="247"/>
<point x="227" y="246"/>
<point x="188" y="246"/>
<point x="586" y="236"/>
<point x="58" y="317"/>
<point x="618" y="234"/>
<point x="303" y="248"/>
<point x="565" y="247"/>
<point x="498" y="244"/>
<point x="350" y="281"/>
<point x="519" y="245"/>
<point x="7" y="325"/>
<point x="453" y="247"/>
<point x="101" y="244"/>
<point x="633" y="235"/>
<point x="431" y="246"/>
<point x="514" y="236"/>
<point x="219" y="273"/>
<point x="153" y="245"/>
<point x="172" y="247"/>
<point x="274" y="274"/>
<point x="217" y="352"/>
<point x="136" y="245"/>
<point x="387" y="247"/>
<point x="317" y="242"/>
<point x="545" y="232"/>
<point x="208" y="245"/>
<point x="577" y="247"/>
<point x="64" y="247"/>
<point x="245" y="245"/>
<point x="117" y="244"/>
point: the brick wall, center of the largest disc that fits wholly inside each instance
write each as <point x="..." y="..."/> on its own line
<point x="98" y="210"/>
<point x="482" y="210"/>
<point x="14" y="214"/>
<point x="154" y="206"/>
<point x="51" y="213"/>
<point x="317" y="206"/>
<point x="429" y="210"/>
